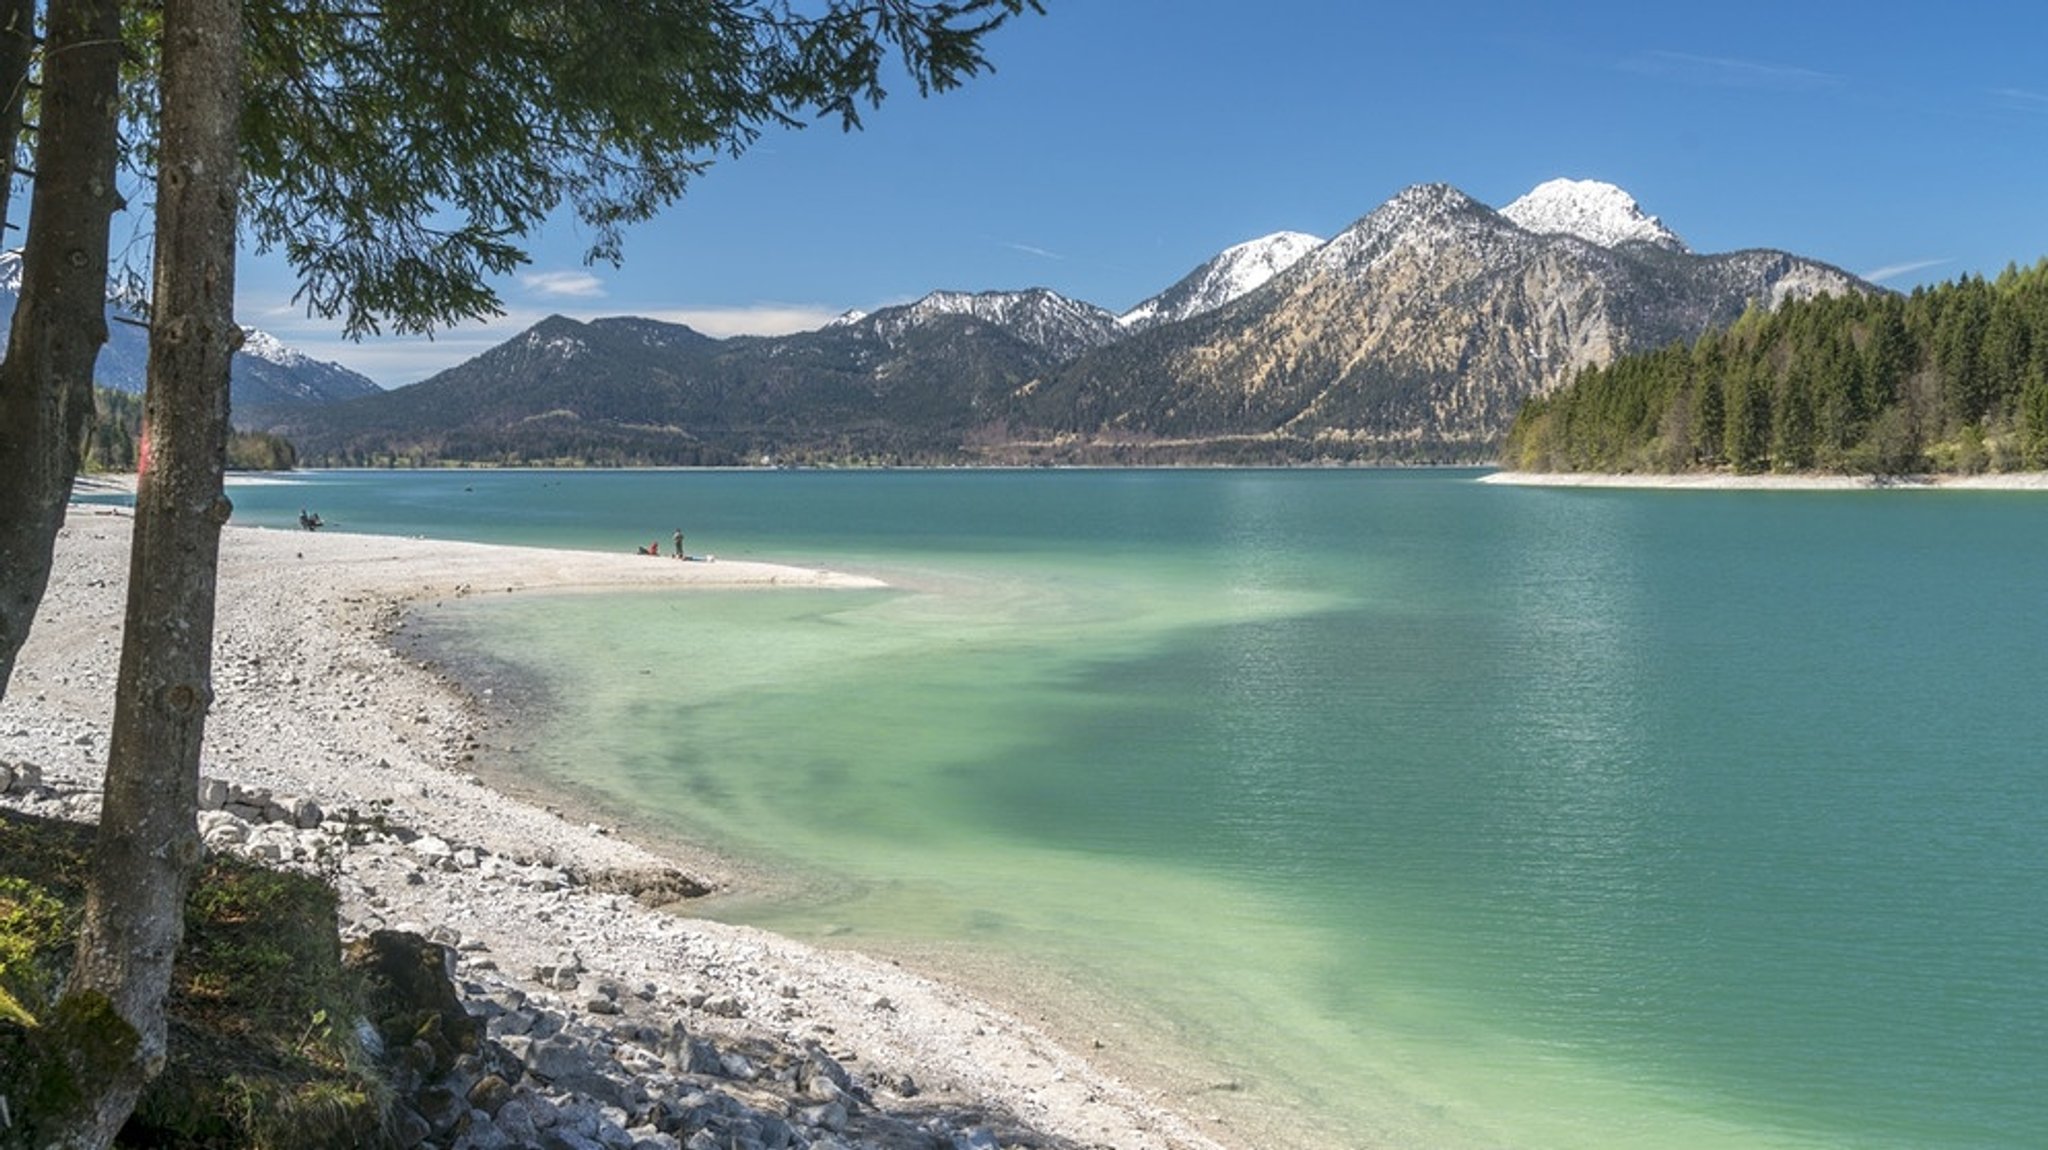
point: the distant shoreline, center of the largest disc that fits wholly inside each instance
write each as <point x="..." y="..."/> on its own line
<point x="101" y="484"/>
<point x="1723" y="481"/>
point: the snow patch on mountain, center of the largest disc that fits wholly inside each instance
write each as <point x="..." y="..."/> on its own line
<point x="546" y="340"/>
<point x="1038" y="316"/>
<point x="1421" y="216"/>
<point x="1004" y="308"/>
<point x="1234" y="272"/>
<point x="1596" y="212"/>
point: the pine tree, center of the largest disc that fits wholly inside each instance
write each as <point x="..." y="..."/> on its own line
<point x="46" y="400"/>
<point x="1967" y="392"/>
<point x="1747" y="428"/>
<point x="1888" y="356"/>
<point x="1792" y="422"/>
<point x="1832" y="402"/>
<point x="2006" y="347"/>
<point x="2033" y="420"/>
<point x="1709" y="420"/>
<point x="147" y="840"/>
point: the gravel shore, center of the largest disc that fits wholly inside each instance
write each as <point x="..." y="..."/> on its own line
<point x="328" y="748"/>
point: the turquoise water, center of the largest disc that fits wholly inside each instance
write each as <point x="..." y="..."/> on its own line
<point x="1461" y="816"/>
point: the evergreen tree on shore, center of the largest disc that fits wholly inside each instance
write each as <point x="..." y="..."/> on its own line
<point x="117" y="437"/>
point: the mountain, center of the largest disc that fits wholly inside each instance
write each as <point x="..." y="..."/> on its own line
<point x="540" y="386"/>
<point x="265" y="375"/>
<point x="1229" y="274"/>
<point x="1415" y="333"/>
<point x="906" y="383"/>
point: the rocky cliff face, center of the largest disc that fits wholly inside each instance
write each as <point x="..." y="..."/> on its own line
<point x="1420" y="329"/>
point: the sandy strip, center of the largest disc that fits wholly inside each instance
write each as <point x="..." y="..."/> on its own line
<point x="1723" y="481"/>
<point x="313" y="701"/>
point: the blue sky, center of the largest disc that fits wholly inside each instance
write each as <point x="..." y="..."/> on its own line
<point x="1121" y="142"/>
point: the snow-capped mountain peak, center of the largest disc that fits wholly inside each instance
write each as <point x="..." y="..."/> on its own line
<point x="1418" y="217"/>
<point x="1596" y="212"/>
<point x="1233" y="272"/>
<point x="270" y="349"/>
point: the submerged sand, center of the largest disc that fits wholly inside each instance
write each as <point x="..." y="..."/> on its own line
<point x="313" y="700"/>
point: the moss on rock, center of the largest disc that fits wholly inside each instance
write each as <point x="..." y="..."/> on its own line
<point x="261" y="1053"/>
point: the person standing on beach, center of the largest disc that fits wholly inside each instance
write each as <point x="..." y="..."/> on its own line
<point x="679" y="544"/>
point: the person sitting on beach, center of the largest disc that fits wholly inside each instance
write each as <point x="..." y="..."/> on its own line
<point x="309" y="522"/>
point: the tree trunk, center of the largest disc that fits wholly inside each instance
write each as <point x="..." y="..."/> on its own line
<point x="147" y="844"/>
<point x="60" y="320"/>
<point x="17" y="50"/>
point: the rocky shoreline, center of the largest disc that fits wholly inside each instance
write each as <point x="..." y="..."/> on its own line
<point x="609" y="1021"/>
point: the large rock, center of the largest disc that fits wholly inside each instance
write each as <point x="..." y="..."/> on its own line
<point x="558" y="1057"/>
<point x="651" y="886"/>
<point x="23" y="778"/>
<point x="413" y="1001"/>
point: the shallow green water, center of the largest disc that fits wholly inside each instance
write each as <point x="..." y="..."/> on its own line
<point x="1477" y="816"/>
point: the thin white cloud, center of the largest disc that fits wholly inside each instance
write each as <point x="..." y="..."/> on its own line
<point x="1728" y="72"/>
<point x="1033" y="250"/>
<point x="572" y="284"/>
<point x="2021" y="100"/>
<point x="267" y="315"/>
<point x="1894" y="271"/>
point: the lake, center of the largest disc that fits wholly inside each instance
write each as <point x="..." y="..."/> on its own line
<point x="1450" y="815"/>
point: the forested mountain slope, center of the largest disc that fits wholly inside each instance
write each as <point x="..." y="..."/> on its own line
<point x="1952" y="378"/>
